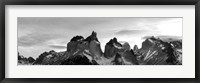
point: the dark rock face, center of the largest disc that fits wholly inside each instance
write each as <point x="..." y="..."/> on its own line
<point x="78" y="60"/>
<point x="91" y="44"/>
<point x="19" y="56"/>
<point x="113" y="42"/>
<point x="157" y="52"/>
<point x="77" y="38"/>
<point x="73" y="46"/>
<point x="126" y="46"/>
<point x="50" y="58"/>
<point x="94" y="45"/>
<point x="80" y="51"/>
<point x="31" y="59"/>
<point x="95" y="49"/>
<point x="148" y="43"/>
<point x="92" y="37"/>
<point x="39" y="60"/>
<point x="176" y="44"/>
<point x="74" y="43"/>
<point x="130" y="57"/>
<point x="135" y="48"/>
<point x="118" y="60"/>
<point x="112" y="47"/>
<point x="110" y="51"/>
<point x="24" y="60"/>
<point x="176" y="48"/>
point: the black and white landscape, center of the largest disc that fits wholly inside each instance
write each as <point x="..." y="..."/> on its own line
<point x="99" y="41"/>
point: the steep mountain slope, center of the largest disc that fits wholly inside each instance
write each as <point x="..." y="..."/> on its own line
<point x="25" y="61"/>
<point x="50" y="58"/>
<point x="79" y="51"/>
<point x="154" y="51"/>
<point x="87" y="51"/>
<point x="115" y="49"/>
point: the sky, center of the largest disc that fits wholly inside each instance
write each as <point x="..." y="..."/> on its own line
<point x="39" y="34"/>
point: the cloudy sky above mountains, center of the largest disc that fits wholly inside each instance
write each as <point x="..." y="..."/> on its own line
<point x="39" y="34"/>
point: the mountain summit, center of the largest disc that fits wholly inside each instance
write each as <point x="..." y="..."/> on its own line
<point x="87" y="51"/>
<point x="154" y="51"/>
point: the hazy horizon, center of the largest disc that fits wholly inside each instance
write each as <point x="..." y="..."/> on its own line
<point x="39" y="34"/>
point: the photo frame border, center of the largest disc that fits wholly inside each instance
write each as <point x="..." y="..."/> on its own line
<point x="98" y="2"/>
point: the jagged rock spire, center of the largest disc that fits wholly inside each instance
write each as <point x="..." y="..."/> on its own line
<point x="112" y="41"/>
<point x="77" y="38"/>
<point x="115" y="40"/>
<point x="93" y="36"/>
<point x="135" y="48"/>
<point x="118" y="60"/>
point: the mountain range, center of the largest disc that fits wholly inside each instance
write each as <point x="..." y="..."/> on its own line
<point x="87" y="51"/>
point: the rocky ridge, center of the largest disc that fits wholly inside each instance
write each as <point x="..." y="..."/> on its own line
<point x="87" y="51"/>
<point x="25" y="61"/>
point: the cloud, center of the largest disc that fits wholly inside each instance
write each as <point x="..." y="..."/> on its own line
<point x="35" y="39"/>
<point x="38" y="34"/>
<point x="63" y="23"/>
<point x="166" y="38"/>
<point x="130" y="32"/>
<point x="57" y="46"/>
